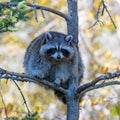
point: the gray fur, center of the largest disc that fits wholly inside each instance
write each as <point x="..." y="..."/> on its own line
<point x="69" y="38"/>
<point x="51" y="57"/>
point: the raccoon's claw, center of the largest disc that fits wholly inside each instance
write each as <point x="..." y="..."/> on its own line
<point x="57" y="82"/>
<point x="38" y="78"/>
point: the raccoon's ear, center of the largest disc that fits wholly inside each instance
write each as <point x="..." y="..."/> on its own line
<point x="48" y="36"/>
<point x="69" y="38"/>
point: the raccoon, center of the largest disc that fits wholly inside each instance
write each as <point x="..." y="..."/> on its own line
<point x="54" y="57"/>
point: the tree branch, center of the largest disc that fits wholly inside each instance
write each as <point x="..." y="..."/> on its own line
<point x="115" y="82"/>
<point x="104" y="8"/>
<point x="35" y="12"/>
<point x="99" y="86"/>
<point x="105" y="79"/>
<point x="9" y="4"/>
<point x="5" y="108"/>
<point x="25" y="78"/>
<point x="25" y="102"/>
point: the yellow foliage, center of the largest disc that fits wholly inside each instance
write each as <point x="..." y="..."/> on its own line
<point x="104" y="69"/>
<point x="82" y="103"/>
<point x="101" y="115"/>
<point x="94" y="67"/>
<point x="96" y="101"/>
<point x="38" y="107"/>
<point x="96" y="46"/>
<point x="118" y="67"/>
<point x="97" y="3"/>
<point x="108" y="54"/>
<point x="9" y="107"/>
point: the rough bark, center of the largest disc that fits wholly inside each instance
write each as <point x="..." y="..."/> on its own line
<point x="72" y="21"/>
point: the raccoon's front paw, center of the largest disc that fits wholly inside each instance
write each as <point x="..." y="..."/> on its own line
<point x="37" y="77"/>
<point x="57" y="82"/>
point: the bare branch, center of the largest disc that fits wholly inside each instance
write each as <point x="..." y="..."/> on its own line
<point x="25" y="78"/>
<point x="104" y="84"/>
<point x="35" y="12"/>
<point x="97" y="16"/>
<point x="25" y="102"/>
<point x="105" y="79"/>
<point x="98" y="11"/>
<point x="8" y="4"/>
<point x="97" y="21"/>
<point x="6" y="113"/>
<point x="104" y="7"/>
<point x="43" y="15"/>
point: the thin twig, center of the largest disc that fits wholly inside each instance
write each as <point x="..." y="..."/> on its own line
<point x="105" y="7"/>
<point x="97" y="16"/>
<point x="102" y="4"/>
<point x="6" y="114"/>
<point x="98" y="11"/>
<point x="93" y="24"/>
<point x="25" y="102"/>
<point x="42" y="12"/>
<point x="35" y="12"/>
<point x="8" y="4"/>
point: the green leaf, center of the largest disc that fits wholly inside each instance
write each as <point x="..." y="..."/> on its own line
<point x="17" y="0"/>
<point x="115" y="111"/>
<point x="21" y="4"/>
<point x="32" y="117"/>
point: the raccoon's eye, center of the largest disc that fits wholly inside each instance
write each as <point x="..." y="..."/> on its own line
<point x="65" y="52"/>
<point x="51" y="51"/>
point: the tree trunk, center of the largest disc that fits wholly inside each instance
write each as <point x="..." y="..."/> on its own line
<point x="72" y="101"/>
<point x="73" y="109"/>
<point x="72" y="23"/>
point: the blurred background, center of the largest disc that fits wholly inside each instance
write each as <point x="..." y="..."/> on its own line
<point x="100" y="49"/>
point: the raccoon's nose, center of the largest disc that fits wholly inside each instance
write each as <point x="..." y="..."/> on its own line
<point x="58" y="57"/>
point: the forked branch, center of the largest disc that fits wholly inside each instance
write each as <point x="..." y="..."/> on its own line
<point x="100" y="12"/>
<point x="25" y="78"/>
<point x="99" y="82"/>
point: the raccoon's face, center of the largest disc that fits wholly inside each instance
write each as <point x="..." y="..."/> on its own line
<point x="57" y="47"/>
